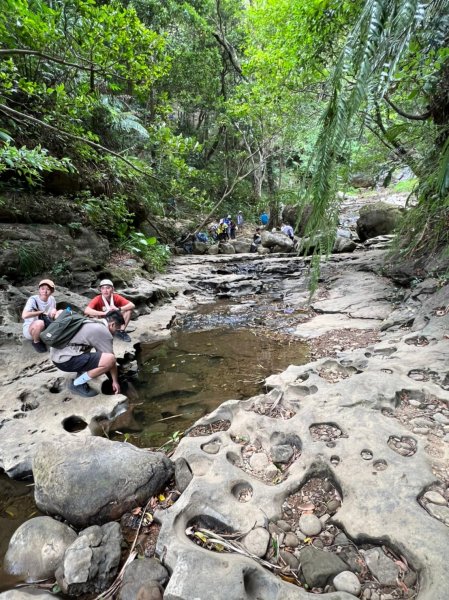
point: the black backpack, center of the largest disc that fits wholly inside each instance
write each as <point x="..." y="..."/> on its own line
<point x="59" y="333"/>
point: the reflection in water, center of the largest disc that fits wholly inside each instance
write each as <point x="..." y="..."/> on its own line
<point x="194" y="372"/>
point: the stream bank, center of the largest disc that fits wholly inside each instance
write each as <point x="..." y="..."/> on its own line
<point x="384" y="392"/>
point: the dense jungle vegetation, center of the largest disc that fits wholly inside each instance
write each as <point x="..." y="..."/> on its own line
<point x="132" y="109"/>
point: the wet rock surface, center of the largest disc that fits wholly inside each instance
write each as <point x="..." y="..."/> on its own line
<point x="326" y="474"/>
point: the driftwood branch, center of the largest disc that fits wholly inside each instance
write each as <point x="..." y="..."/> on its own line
<point x="401" y="112"/>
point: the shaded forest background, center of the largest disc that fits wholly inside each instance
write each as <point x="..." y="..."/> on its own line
<point x="120" y="111"/>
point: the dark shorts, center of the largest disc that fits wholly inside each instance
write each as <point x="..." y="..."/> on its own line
<point x="81" y="363"/>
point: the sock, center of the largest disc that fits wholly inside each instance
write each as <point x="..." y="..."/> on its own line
<point x="82" y="379"/>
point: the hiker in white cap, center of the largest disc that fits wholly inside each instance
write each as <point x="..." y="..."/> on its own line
<point x="38" y="311"/>
<point x="108" y="301"/>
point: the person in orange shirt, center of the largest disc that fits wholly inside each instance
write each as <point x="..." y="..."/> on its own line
<point x="107" y="301"/>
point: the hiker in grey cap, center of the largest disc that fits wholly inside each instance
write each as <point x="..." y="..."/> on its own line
<point x="108" y="301"/>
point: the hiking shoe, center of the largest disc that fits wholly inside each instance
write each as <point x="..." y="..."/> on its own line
<point x="81" y="390"/>
<point x="122" y="335"/>
<point x="39" y="346"/>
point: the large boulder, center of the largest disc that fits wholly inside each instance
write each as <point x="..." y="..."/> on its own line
<point x="277" y="241"/>
<point x="93" y="480"/>
<point x="37" y="547"/>
<point x="376" y="219"/>
<point x="297" y="217"/>
<point x="362" y="180"/>
<point x="35" y="249"/>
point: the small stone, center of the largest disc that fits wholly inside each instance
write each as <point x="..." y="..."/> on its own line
<point x="324" y="519"/>
<point x="341" y="539"/>
<point x="414" y="403"/>
<point x="440" y="418"/>
<point x="310" y="524"/>
<point x="284" y="525"/>
<point x="318" y="543"/>
<point x="211" y="448"/>
<point x="281" y="454"/>
<point x="332" y="506"/>
<point x="259" y="461"/>
<point x="421" y="430"/>
<point x="435" y="498"/>
<point x="347" y="581"/>
<point x="257" y="540"/>
<point x="291" y="540"/>
<point x="274" y="528"/>
<point x="271" y="471"/>
<point x="290" y="559"/>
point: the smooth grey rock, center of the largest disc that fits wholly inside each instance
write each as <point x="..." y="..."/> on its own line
<point x="319" y="566"/>
<point x="143" y="579"/>
<point x="281" y="453"/>
<point x="439" y="512"/>
<point x="257" y="540"/>
<point x="94" y="480"/>
<point x="37" y="547"/>
<point x="211" y="448"/>
<point x="435" y="498"/>
<point x="382" y="567"/>
<point x="259" y="461"/>
<point x="284" y="525"/>
<point x="347" y="581"/>
<point x="183" y="474"/>
<point x="289" y="559"/>
<point x="291" y="540"/>
<point x="310" y="524"/>
<point x="91" y="562"/>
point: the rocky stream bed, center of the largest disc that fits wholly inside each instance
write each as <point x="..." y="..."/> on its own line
<point x="332" y="481"/>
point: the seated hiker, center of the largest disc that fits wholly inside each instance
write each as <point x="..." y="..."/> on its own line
<point x="257" y="239"/>
<point x="76" y="356"/>
<point x="288" y="230"/>
<point x="38" y="310"/>
<point x="108" y="301"/>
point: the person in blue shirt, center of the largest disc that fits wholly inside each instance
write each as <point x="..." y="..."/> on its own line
<point x="264" y="219"/>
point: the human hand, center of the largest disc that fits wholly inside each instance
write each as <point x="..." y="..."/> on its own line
<point x="116" y="387"/>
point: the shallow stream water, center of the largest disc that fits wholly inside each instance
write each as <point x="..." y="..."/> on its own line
<point x="220" y="352"/>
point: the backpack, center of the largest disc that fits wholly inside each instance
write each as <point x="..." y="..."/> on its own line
<point x="60" y="331"/>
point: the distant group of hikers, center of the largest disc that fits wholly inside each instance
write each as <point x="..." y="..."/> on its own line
<point x="72" y="337"/>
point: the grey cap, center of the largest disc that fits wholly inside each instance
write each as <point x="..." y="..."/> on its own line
<point x="106" y="282"/>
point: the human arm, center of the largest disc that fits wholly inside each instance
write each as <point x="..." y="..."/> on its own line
<point x="122" y="304"/>
<point x="95" y="308"/>
<point x="114" y="376"/>
<point x="31" y="309"/>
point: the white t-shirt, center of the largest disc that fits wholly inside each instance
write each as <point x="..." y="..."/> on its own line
<point x="35" y="303"/>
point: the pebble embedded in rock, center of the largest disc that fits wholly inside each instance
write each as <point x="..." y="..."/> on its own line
<point x="211" y="448"/>
<point x="259" y="461"/>
<point x="333" y="505"/>
<point x="310" y="524"/>
<point x="435" y="498"/>
<point x="347" y="581"/>
<point x="257" y="540"/>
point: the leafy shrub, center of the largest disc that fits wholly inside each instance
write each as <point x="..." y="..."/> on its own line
<point x="31" y="164"/>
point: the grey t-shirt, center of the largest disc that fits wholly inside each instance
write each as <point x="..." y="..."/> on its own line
<point x="35" y="303"/>
<point x="91" y="335"/>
